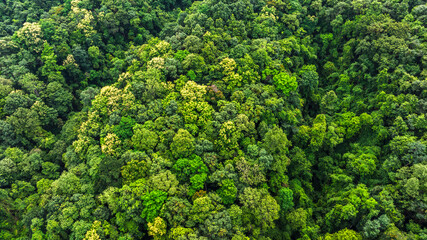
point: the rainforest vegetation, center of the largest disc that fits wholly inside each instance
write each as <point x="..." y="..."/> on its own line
<point x="213" y="119"/>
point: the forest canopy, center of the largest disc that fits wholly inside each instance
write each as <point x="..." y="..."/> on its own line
<point x="213" y="119"/>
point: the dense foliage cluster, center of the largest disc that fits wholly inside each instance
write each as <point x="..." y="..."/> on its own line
<point x="213" y="119"/>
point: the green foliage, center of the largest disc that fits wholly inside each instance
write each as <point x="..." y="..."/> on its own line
<point x="197" y="183"/>
<point x="285" y="82"/>
<point x="318" y="132"/>
<point x="228" y="191"/>
<point x="181" y="54"/>
<point x="286" y="199"/>
<point x="192" y="170"/>
<point x="343" y="234"/>
<point x="88" y="95"/>
<point x="144" y="139"/>
<point x="124" y="129"/>
<point x="350" y="206"/>
<point x="58" y="98"/>
<point x="183" y="144"/>
<point x="152" y="203"/>
<point x="373" y="228"/>
<point x="176" y="211"/>
<point x="297" y="218"/>
<point x="362" y="165"/>
<point x="51" y="70"/>
<point x="260" y="210"/>
<point x="134" y="170"/>
<point x="309" y="79"/>
<point x="185" y="167"/>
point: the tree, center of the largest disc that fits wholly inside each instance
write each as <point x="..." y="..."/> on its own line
<point x="16" y="100"/>
<point x="67" y="184"/>
<point x="8" y="172"/>
<point x="363" y="165"/>
<point x="197" y="183"/>
<point x="95" y="54"/>
<point x="194" y="108"/>
<point x="177" y="212"/>
<point x="194" y="62"/>
<point x="260" y="210"/>
<point x="134" y="170"/>
<point x="181" y="54"/>
<point x="193" y="170"/>
<point x="297" y="218"/>
<point x="111" y="99"/>
<point x="350" y="122"/>
<point x="183" y="144"/>
<point x="343" y="234"/>
<point x="26" y="124"/>
<point x="165" y="181"/>
<point x="58" y="98"/>
<point x="231" y="78"/>
<point x="202" y="208"/>
<point x="152" y="203"/>
<point x="88" y="95"/>
<point x="300" y="164"/>
<point x="329" y="102"/>
<point x="277" y="143"/>
<point x="250" y="174"/>
<point x="416" y="153"/>
<point x="108" y="173"/>
<point x="218" y="226"/>
<point x="196" y="120"/>
<point x="92" y="235"/>
<point x="31" y="35"/>
<point x="7" y="134"/>
<point x="285" y="83"/>
<point x="228" y="191"/>
<point x="350" y="206"/>
<point x="110" y="144"/>
<point x="318" y="132"/>
<point x="157" y="229"/>
<point x="193" y="44"/>
<point x="124" y="129"/>
<point x="47" y="116"/>
<point x="144" y="139"/>
<point x="286" y="199"/>
<point x="372" y="228"/>
<point x="50" y="69"/>
<point x="228" y="141"/>
<point x="309" y="80"/>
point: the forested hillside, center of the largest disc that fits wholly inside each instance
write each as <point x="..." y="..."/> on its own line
<point x="213" y="119"/>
